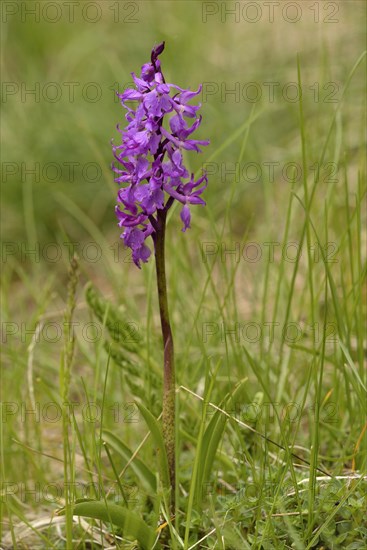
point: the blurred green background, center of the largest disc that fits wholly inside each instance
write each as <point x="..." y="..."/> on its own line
<point x="58" y="189"/>
<point x="56" y="141"/>
<point x="75" y="66"/>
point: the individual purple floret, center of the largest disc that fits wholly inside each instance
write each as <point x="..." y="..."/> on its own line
<point x="149" y="160"/>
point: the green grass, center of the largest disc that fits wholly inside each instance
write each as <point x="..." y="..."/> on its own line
<point x="270" y="354"/>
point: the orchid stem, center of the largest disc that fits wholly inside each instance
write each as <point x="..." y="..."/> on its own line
<point x="168" y="413"/>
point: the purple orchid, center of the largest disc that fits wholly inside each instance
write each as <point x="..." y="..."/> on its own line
<point x="150" y="161"/>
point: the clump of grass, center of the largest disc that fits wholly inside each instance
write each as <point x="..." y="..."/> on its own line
<point x="281" y="463"/>
<point x="65" y="380"/>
